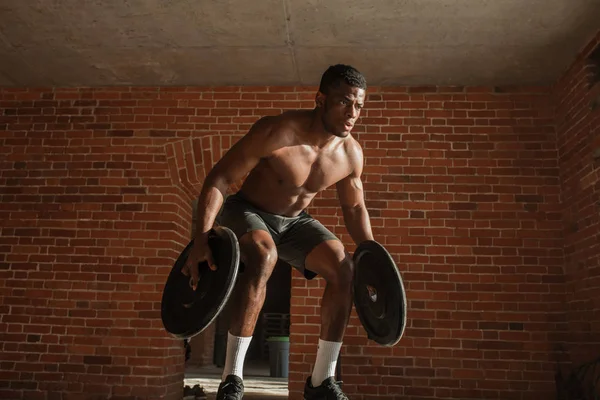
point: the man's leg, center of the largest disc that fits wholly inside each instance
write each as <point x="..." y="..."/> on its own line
<point x="259" y="256"/>
<point x="314" y="250"/>
<point x="330" y="260"/>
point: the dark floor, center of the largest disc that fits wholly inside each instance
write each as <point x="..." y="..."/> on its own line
<point x="258" y="384"/>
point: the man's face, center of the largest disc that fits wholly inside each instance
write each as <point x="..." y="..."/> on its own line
<point x="341" y="108"/>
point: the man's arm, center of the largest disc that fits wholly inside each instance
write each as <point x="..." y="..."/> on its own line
<point x="351" y="196"/>
<point x="237" y="162"/>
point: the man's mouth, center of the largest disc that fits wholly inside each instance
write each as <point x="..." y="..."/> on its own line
<point x="349" y="125"/>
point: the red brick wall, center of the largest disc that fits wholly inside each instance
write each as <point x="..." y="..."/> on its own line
<point x="578" y="130"/>
<point x="96" y="192"/>
<point x="462" y="185"/>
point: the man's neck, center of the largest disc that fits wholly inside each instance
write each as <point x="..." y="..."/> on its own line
<point x="317" y="134"/>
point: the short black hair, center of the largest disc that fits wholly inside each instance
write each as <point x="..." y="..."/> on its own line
<point x="338" y="73"/>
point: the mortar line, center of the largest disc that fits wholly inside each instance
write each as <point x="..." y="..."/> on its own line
<point x="289" y="40"/>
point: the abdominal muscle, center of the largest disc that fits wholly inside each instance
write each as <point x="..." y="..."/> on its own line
<point x="267" y="191"/>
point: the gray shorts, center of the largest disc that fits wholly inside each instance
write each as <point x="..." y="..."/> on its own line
<point x="294" y="237"/>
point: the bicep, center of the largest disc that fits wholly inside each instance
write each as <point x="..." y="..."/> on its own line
<point x="350" y="191"/>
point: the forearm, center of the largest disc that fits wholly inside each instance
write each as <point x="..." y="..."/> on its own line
<point x="209" y="203"/>
<point x="358" y="223"/>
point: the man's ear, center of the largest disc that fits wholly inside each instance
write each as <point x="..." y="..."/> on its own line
<point x="320" y="99"/>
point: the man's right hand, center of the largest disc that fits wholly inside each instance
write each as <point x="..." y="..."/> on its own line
<point x="199" y="253"/>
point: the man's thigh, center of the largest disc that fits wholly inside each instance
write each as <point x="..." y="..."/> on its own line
<point x="240" y="217"/>
<point x="300" y="240"/>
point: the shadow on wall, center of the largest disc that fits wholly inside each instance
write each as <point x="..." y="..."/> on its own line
<point x="581" y="383"/>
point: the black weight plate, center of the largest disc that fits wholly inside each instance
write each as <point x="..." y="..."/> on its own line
<point x="379" y="296"/>
<point x="186" y="312"/>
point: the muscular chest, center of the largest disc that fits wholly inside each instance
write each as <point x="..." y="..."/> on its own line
<point x="309" y="170"/>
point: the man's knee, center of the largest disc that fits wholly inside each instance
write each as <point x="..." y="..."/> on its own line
<point x="345" y="271"/>
<point x="332" y="262"/>
<point x="341" y="271"/>
<point x="259" y="255"/>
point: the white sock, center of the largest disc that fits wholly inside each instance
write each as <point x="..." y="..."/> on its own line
<point x="236" y="353"/>
<point x="327" y="355"/>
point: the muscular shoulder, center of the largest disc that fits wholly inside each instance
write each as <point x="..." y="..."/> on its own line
<point x="279" y="130"/>
<point x="295" y="122"/>
<point x="268" y="134"/>
<point x="354" y="153"/>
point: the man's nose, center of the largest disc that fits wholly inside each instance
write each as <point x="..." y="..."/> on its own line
<point x="352" y="112"/>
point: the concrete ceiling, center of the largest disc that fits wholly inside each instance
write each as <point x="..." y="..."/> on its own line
<point x="290" y="42"/>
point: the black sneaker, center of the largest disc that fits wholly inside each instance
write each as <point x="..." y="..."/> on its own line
<point x="328" y="390"/>
<point x="232" y="388"/>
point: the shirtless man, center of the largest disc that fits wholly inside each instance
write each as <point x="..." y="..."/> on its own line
<point x="289" y="158"/>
